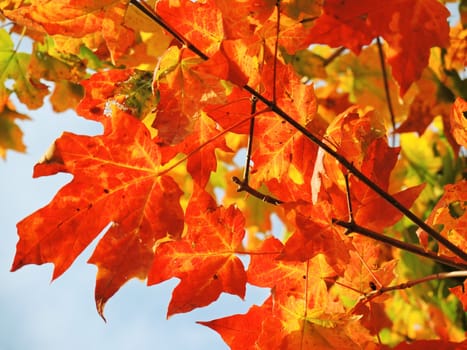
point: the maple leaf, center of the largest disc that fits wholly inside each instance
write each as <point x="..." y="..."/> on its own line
<point x="185" y="84"/>
<point x="358" y="138"/>
<point x="10" y="133"/>
<point x="200" y="22"/>
<point x="241" y="332"/>
<point x="100" y="89"/>
<point x="116" y="181"/>
<point x="237" y="107"/>
<point x="426" y="105"/>
<point x="370" y="264"/>
<point x="459" y="292"/>
<point x="285" y="152"/>
<point x="102" y="20"/>
<point x="289" y="324"/>
<point x="296" y="315"/>
<point x="450" y="212"/>
<point x="315" y="234"/>
<point x="205" y="258"/>
<point x="458" y="120"/>
<point x="432" y="344"/>
<point x="361" y="77"/>
<point x="241" y="18"/>
<point x="200" y="146"/>
<point x="289" y="277"/>
<point x="14" y="65"/>
<point x="411" y="33"/>
<point x="399" y="23"/>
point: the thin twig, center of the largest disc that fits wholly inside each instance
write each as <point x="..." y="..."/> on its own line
<point x="246" y="174"/>
<point x="415" y="249"/>
<point x="349" y="200"/>
<point x="315" y="139"/>
<point x="386" y="88"/>
<point x="242" y="186"/>
<point x="276" y="48"/>
<point x="334" y="55"/>
<point x="409" y="284"/>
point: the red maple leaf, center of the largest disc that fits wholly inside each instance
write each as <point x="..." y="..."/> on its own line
<point x="200" y="22"/>
<point x="411" y="28"/>
<point x="205" y="258"/>
<point x="185" y="84"/>
<point x="116" y="181"/>
<point x="102" y="20"/>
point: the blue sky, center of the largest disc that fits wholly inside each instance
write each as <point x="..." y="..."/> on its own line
<point x="36" y="314"/>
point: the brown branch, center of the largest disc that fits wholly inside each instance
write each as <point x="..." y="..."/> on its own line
<point x="415" y="249"/>
<point x="386" y="87"/>
<point x="318" y="141"/>
<point x="409" y="284"/>
<point x="246" y="174"/>
<point x="334" y="55"/>
<point x="276" y="48"/>
<point x="243" y="186"/>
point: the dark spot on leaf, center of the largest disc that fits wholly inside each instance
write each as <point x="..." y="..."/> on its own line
<point x="106" y="190"/>
<point x="215" y="277"/>
<point x="89" y="205"/>
<point x="96" y="110"/>
<point x="78" y="209"/>
<point x="456" y="209"/>
<point x="372" y="285"/>
<point x="304" y="277"/>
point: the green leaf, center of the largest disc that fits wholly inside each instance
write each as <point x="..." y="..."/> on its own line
<point x="14" y="65"/>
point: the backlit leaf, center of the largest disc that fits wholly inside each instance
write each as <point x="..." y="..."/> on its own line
<point x="115" y="182"/>
<point x="459" y="121"/>
<point x="205" y="258"/>
<point x="103" y="20"/>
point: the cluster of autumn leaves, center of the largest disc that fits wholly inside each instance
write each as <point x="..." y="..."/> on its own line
<point x="180" y="87"/>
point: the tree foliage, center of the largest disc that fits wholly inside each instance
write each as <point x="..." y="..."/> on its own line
<point x="350" y="118"/>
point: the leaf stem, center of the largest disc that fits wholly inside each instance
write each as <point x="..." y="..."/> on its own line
<point x="276" y="48"/>
<point x="386" y="87"/>
<point x="246" y="173"/>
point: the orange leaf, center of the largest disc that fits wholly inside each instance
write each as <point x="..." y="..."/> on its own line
<point x="200" y="22"/>
<point x="315" y="234"/>
<point x="11" y="136"/>
<point x="203" y="141"/>
<point x="79" y="19"/>
<point x="205" y="259"/>
<point x="414" y="27"/>
<point x="432" y="345"/>
<point x="241" y="18"/>
<point x="459" y="291"/>
<point x="99" y="89"/>
<point x="459" y="121"/>
<point x="411" y="27"/>
<point x="241" y="332"/>
<point x="451" y="213"/>
<point x="185" y="84"/>
<point x="285" y="153"/>
<point x="115" y="182"/>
